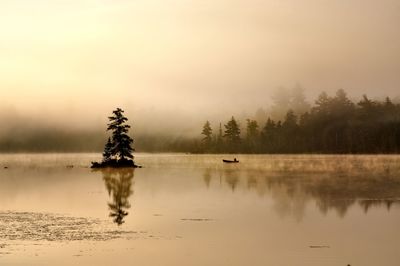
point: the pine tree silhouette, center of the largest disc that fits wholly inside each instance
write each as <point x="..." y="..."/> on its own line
<point x="122" y="143"/>
<point x="107" y="154"/>
<point x="118" y="149"/>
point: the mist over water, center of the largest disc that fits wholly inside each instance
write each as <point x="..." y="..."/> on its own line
<point x="286" y="209"/>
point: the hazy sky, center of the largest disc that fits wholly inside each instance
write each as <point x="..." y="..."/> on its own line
<point x="84" y="57"/>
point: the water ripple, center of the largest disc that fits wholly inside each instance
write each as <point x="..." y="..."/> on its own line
<point x="32" y="226"/>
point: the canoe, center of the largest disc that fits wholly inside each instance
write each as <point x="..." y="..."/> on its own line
<point x="230" y="161"/>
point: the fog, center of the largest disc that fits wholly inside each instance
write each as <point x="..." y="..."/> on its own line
<point x="172" y="64"/>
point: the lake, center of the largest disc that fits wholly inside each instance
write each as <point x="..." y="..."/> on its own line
<point x="194" y="210"/>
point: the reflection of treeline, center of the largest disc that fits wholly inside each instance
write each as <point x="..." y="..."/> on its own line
<point x="333" y="125"/>
<point x="290" y="192"/>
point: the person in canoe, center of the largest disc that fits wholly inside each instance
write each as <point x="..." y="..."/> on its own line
<point x="230" y="161"/>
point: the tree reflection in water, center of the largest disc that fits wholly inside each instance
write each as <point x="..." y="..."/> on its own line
<point x="290" y="191"/>
<point x="119" y="186"/>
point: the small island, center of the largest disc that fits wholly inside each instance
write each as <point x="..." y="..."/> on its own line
<point x="118" y="149"/>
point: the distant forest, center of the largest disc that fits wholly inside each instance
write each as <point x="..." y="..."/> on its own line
<point x="334" y="124"/>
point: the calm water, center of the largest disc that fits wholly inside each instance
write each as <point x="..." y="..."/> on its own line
<point x="195" y="210"/>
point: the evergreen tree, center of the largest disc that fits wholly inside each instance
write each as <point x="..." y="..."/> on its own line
<point x="207" y="132"/>
<point x="252" y="135"/>
<point x="122" y="143"/>
<point x="252" y="129"/>
<point x="268" y="135"/>
<point x="322" y="104"/>
<point x="290" y="133"/>
<point x="107" y="154"/>
<point x="334" y="125"/>
<point x="232" y="131"/>
<point x="342" y="105"/>
<point x="290" y="121"/>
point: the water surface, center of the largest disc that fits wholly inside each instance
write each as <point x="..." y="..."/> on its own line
<point x="195" y="210"/>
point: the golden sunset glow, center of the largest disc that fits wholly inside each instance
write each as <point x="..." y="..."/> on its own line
<point x="200" y="132"/>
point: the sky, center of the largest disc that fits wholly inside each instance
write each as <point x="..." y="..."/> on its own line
<point x="187" y="60"/>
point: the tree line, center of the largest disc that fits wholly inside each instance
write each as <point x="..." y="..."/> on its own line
<point x="334" y="124"/>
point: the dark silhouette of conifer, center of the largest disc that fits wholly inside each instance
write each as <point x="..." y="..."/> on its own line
<point x="252" y="129"/>
<point x="207" y="132"/>
<point x="107" y="154"/>
<point x="118" y="149"/>
<point x="122" y="143"/>
<point x="232" y="131"/>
